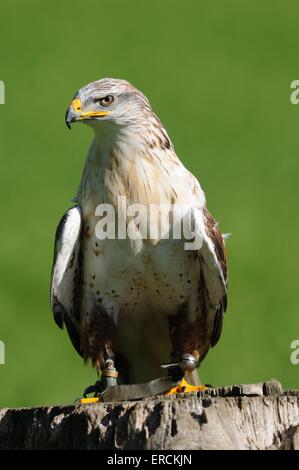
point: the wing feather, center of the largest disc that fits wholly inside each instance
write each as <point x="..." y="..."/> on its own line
<point x="215" y="276"/>
<point x="66" y="275"/>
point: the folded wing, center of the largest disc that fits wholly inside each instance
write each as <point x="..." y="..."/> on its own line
<point x="66" y="275"/>
<point x="214" y="272"/>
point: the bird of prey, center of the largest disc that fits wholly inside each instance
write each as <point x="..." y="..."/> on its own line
<point x="141" y="301"/>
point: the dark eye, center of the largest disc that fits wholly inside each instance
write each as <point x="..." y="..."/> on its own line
<point x="106" y="101"/>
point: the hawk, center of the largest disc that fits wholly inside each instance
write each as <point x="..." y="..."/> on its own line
<point x="140" y="301"/>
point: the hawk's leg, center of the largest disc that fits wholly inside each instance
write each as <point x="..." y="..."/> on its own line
<point x="109" y="374"/>
<point x="99" y="346"/>
<point x="108" y="379"/>
<point x="185" y="352"/>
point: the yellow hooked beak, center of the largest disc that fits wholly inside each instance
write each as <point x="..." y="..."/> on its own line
<point x="74" y="113"/>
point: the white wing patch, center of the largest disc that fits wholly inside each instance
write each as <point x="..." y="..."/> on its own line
<point x="66" y="259"/>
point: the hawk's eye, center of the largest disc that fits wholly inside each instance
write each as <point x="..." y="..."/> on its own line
<point x="106" y="101"/>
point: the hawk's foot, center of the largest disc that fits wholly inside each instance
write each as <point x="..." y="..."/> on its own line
<point x="184" y="387"/>
<point x="89" y="401"/>
<point x="108" y="379"/>
<point x="177" y="371"/>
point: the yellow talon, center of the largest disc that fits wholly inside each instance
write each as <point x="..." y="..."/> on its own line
<point x="184" y="387"/>
<point x="87" y="401"/>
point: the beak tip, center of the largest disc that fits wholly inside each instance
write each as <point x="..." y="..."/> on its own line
<point x="68" y="119"/>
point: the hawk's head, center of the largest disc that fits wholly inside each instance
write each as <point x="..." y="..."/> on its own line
<point x="108" y="100"/>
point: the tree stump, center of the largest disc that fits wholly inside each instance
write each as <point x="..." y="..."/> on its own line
<point x="254" y="416"/>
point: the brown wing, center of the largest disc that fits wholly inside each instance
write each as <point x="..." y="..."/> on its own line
<point x="216" y="238"/>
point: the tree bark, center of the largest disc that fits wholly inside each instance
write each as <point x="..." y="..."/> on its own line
<point x="255" y="416"/>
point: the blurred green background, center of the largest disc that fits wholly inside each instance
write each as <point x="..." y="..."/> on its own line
<point x="218" y="75"/>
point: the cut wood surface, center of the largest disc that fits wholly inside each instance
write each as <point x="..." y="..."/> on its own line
<point x="254" y="416"/>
